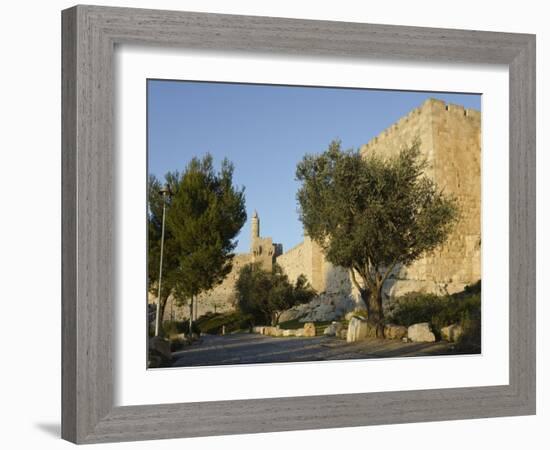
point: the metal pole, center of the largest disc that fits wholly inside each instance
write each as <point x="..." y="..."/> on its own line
<point x="158" y="318"/>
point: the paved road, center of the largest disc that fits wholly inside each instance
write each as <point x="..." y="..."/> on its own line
<point x="254" y="348"/>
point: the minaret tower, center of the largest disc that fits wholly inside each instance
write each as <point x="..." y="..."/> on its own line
<point x="255" y="228"/>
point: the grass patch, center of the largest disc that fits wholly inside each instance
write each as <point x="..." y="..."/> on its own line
<point x="213" y="323"/>
<point x="291" y="324"/>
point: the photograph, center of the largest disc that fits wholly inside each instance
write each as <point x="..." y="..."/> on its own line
<point x="296" y="223"/>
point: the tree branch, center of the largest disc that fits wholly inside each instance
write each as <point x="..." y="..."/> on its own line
<point x="390" y="269"/>
<point x="354" y="280"/>
<point x="366" y="277"/>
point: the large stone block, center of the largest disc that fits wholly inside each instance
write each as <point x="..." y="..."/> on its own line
<point x="309" y="329"/>
<point x="333" y="329"/>
<point x="357" y="330"/>
<point x="420" y="332"/>
<point x="392" y="331"/>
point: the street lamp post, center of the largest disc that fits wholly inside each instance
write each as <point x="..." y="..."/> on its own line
<point x="165" y="192"/>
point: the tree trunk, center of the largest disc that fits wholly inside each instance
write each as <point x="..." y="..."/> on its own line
<point x="191" y="304"/>
<point x="162" y="308"/>
<point x="375" y="312"/>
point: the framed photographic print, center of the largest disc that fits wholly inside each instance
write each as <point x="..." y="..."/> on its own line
<point x="346" y="207"/>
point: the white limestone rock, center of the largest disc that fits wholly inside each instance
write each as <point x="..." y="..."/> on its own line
<point x="333" y="329"/>
<point x="420" y="332"/>
<point x="357" y="330"/>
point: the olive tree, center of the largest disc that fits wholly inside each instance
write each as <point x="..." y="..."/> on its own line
<point x="371" y="214"/>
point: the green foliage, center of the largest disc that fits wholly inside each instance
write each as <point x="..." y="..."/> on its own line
<point x="203" y="217"/>
<point x="265" y="295"/>
<point x="463" y="308"/>
<point x="372" y="214"/>
<point x="369" y="211"/>
<point x="470" y="341"/>
<point x="172" y="250"/>
<point x="213" y="323"/>
<point x="293" y="324"/>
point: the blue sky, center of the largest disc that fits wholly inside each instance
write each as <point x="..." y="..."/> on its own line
<point x="265" y="130"/>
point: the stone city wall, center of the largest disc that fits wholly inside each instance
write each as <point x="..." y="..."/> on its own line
<point x="450" y="138"/>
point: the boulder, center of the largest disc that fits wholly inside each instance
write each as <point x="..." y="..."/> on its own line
<point x="160" y="346"/>
<point x="420" y="332"/>
<point x="357" y="330"/>
<point x="299" y="332"/>
<point x="309" y="329"/>
<point x="392" y="331"/>
<point x="333" y="329"/>
<point x="451" y="333"/>
<point x="343" y="334"/>
<point x="288" y="333"/>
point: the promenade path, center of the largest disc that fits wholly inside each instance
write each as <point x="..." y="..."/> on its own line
<point x="244" y="348"/>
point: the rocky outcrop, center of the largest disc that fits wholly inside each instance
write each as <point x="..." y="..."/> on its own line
<point x="420" y="332"/>
<point x="323" y="308"/>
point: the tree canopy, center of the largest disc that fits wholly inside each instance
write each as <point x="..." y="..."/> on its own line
<point x="265" y="295"/>
<point x="204" y="215"/>
<point x="371" y="214"/>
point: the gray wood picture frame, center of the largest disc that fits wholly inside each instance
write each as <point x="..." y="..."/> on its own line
<point x="90" y="34"/>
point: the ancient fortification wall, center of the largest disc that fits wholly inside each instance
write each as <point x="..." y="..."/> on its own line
<point x="297" y="261"/>
<point x="307" y="258"/>
<point x="450" y="138"/>
<point x="219" y="299"/>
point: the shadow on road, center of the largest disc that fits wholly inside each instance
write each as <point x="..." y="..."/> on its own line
<point x="253" y="348"/>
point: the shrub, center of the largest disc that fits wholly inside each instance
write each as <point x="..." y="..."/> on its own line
<point x="470" y="341"/>
<point x="415" y="307"/>
<point x="463" y="308"/>
<point x="173" y="327"/>
<point x="265" y="295"/>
